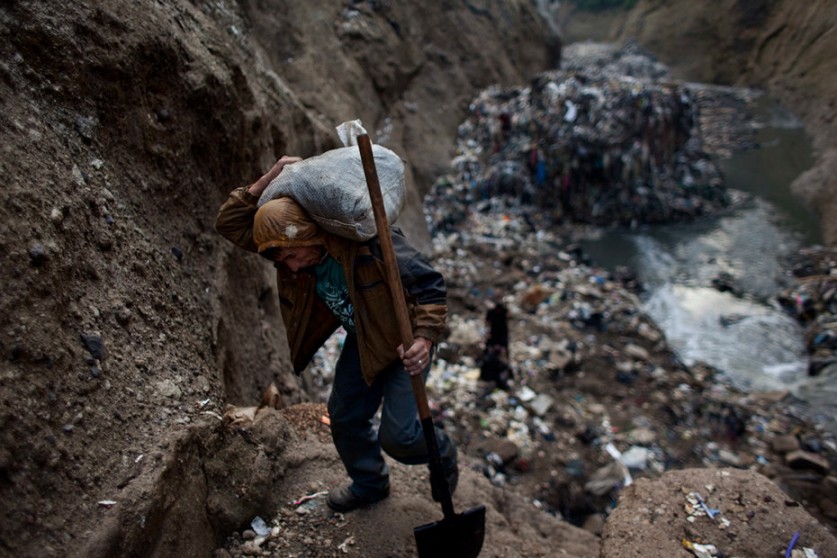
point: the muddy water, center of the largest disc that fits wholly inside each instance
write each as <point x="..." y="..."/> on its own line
<point x="746" y="335"/>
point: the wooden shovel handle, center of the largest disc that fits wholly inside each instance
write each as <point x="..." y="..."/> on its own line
<point x="391" y="267"/>
<point x="402" y="315"/>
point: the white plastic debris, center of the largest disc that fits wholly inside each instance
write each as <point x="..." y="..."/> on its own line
<point x="572" y="111"/>
<point x="526" y="394"/>
<point x="349" y="131"/>
<point x="703" y="550"/>
<point x="637" y="458"/>
<point x="260" y="527"/>
<point x="344" y="546"/>
<point x="541" y="404"/>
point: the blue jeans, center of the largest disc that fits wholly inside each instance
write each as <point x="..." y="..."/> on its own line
<point x="352" y="407"/>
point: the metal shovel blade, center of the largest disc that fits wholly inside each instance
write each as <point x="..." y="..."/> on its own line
<point x="457" y="536"/>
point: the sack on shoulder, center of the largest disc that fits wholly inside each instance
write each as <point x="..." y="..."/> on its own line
<point x="332" y="188"/>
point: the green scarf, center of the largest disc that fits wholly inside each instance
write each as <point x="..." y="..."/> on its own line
<point x="332" y="290"/>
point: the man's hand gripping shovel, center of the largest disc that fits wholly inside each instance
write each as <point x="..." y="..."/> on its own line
<point x="455" y="535"/>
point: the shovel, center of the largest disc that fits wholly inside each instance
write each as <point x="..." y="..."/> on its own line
<point x="455" y="535"/>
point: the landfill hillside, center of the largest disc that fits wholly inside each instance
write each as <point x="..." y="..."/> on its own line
<point x="148" y="405"/>
<point x="784" y="47"/>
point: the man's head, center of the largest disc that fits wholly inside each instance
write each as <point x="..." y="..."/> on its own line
<point x="284" y="233"/>
<point x="296" y="258"/>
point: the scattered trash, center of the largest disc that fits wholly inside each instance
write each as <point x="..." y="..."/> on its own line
<point x="304" y="499"/>
<point x="711" y="512"/>
<point x="700" y="550"/>
<point x="637" y="458"/>
<point x="805" y="552"/>
<point x="541" y="404"/>
<point x="617" y="456"/>
<point x="260" y="527"/>
<point x="202" y="404"/>
<point x="696" y="507"/>
<point x="344" y="546"/>
<point x="792" y="544"/>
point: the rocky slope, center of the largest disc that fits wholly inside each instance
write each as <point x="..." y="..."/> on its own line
<point x="127" y="323"/>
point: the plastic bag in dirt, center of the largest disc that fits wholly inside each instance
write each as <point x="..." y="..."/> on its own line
<point x="332" y="188"/>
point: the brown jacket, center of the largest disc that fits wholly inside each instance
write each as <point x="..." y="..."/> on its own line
<point x="308" y="320"/>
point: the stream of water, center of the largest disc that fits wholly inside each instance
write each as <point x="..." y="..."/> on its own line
<point x="746" y="336"/>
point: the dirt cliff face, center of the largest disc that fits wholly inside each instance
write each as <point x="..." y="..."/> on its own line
<point x="783" y="46"/>
<point x="125" y="318"/>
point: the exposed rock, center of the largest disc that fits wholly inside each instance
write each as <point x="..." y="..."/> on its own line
<point x="800" y="459"/>
<point x="785" y="444"/>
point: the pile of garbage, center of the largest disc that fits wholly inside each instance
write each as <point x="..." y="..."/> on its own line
<point x="586" y="144"/>
<point x="813" y="302"/>
<point x="595" y="398"/>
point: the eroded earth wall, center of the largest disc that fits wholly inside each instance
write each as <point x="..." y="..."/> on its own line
<point x="125" y="320"/>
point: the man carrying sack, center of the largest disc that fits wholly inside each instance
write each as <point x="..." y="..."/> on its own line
<point x="325" y="281"/>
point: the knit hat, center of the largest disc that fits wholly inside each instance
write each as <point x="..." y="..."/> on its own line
<point x="282" y="223"/>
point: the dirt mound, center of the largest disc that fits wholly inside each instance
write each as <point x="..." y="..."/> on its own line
<point x="277" y="469"/>
<point x="305" y="525"/>
<point x="739" y="513"/>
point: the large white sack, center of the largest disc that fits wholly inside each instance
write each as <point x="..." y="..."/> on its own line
<point x="332" y="188"/>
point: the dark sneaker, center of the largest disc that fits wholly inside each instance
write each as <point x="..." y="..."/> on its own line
<point x="451" y="474"/>
<point x="344" y="500"/>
